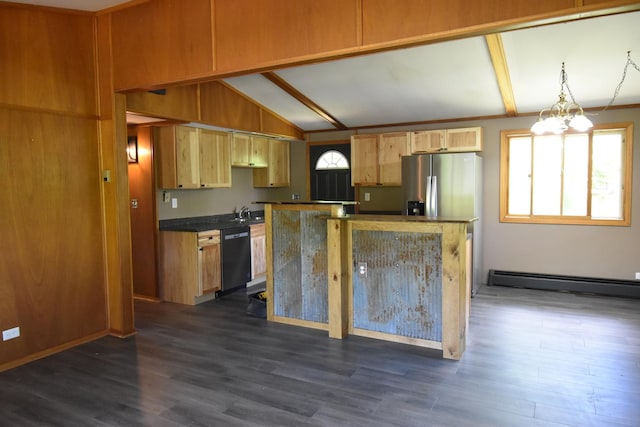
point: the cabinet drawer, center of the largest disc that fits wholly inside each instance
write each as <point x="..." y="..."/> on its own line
<point x="209" y="237"/>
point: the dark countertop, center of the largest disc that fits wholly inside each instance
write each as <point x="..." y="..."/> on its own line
<point x="212" y="222"/>
<point x="404" y="218"/>
<point x="307" y="202"/>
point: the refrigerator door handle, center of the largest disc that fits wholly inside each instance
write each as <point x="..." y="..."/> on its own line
<point x="427" y="198"/>
<point x="434" y="195"/>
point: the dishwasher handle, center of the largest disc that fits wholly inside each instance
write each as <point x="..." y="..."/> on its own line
<point x="236" y="235"/>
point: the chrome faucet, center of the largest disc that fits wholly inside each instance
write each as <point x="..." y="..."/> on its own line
<point x="245" y="213"/>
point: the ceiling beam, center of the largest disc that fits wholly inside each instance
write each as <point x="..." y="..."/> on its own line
<point x="282" y="84"/>
<point x="501" y="69"/>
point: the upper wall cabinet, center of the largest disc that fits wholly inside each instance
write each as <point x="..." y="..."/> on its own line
<point x="276" y="174"/>
<point x="377" y="159"/>
<point x="249" y="151"/>
<point x="450" y="140"/>
<point x="215" y="159"/>
<point x="189" y="157"/>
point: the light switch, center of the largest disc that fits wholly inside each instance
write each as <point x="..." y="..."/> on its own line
<point x="134" y="203"/>
<point x="174" y="203"/>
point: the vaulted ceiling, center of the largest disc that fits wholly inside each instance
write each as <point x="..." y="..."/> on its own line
<point x="507" y="74"/>
<point x="458" y="79"/>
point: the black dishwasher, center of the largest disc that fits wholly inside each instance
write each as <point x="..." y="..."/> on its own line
<point x="236" y="258"/>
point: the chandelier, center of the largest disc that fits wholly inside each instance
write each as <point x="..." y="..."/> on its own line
<point x="563" y="114"/>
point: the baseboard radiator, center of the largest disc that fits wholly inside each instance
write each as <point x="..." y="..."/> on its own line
<point x="590" y="285"/>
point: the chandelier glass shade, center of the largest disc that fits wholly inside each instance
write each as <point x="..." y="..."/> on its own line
<point x="563" y="114"/>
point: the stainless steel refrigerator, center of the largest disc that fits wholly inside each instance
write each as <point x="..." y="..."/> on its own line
<point x="446" y="185"/>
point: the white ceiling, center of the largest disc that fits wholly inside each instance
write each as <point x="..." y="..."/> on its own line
<point x="450" y="80"/>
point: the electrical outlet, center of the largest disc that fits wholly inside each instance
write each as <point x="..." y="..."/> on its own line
<point x="367" y="197"/>
<point x="174" y="203"/>
<point x="362" y="269"/>
<point x="637" y="276"/>
<point x="10" y="334"/>
<point x="166" y="196"/>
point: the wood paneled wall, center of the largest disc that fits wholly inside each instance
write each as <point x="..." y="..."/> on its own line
<point x="47" y="60"/>
<point x="389" y="20"/>
<point x="52" y="281"/>
<point x="162" y="41"/>
<point x="212" y="103"/>
<point x="179" y="103"/>
<point x="261" y="32"/>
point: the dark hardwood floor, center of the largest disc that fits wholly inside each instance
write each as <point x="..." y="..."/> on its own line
<point x="534" y="358"/>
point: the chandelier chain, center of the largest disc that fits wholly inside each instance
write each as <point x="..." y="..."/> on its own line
<point x="624" y="75"/>
<point x="564" y="81"/>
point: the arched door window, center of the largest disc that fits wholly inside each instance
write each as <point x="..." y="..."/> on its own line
<point x="332" y="159"/>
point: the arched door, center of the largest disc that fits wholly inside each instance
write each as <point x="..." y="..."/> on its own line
<point x="330" y="170"/>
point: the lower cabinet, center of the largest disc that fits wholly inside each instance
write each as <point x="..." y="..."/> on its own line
<point x="258" y="251"/>
<point x="190" y="269"/>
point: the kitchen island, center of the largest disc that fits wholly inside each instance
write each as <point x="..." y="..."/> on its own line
<point x="398" y="278"/>
<point x="296" y="256"/>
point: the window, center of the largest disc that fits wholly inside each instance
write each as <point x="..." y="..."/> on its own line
<point x="332" y="159"/>
<point x="574" y="178"/>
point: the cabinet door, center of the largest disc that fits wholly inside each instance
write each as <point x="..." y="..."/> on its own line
<point x="428" y="141"/>
<point x="364" y="160"/>
<point x="278" y="163"/>
<point x="464" y="139"/>
<point x="259" y="155"/>
<point x="179" y="266"/>
<point x="391" y="148"/>
<point x="249" y="151"/>
<point x="209" y="268"/>
<point x="258" y="251"/>
<point x="276" y="174"/>
<point x="215" y="159"/>
<point x="187" y="157"/>
<point x="240" y="149"/>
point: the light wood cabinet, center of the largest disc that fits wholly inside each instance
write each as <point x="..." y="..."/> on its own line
<point x="364" y="160"/>
<point x="427" y="141"/>
<point x="177" y="157"/>
<point x="464" y="139"/>
<point x="209" y="263"/>
<point x="249" y="151"/>
<point x="190" y="269"/>
<point x="258" y="251"/>
<point x="188" y="157"/>
<point x="215" y="159"/>
<point x="276" y="174"/>
<point x="377" y="159"/>
<point x="450" y="140"/>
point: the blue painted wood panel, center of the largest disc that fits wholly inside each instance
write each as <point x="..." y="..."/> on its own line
<point x="402" y="291"/>
<point x="300" y="265"/>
